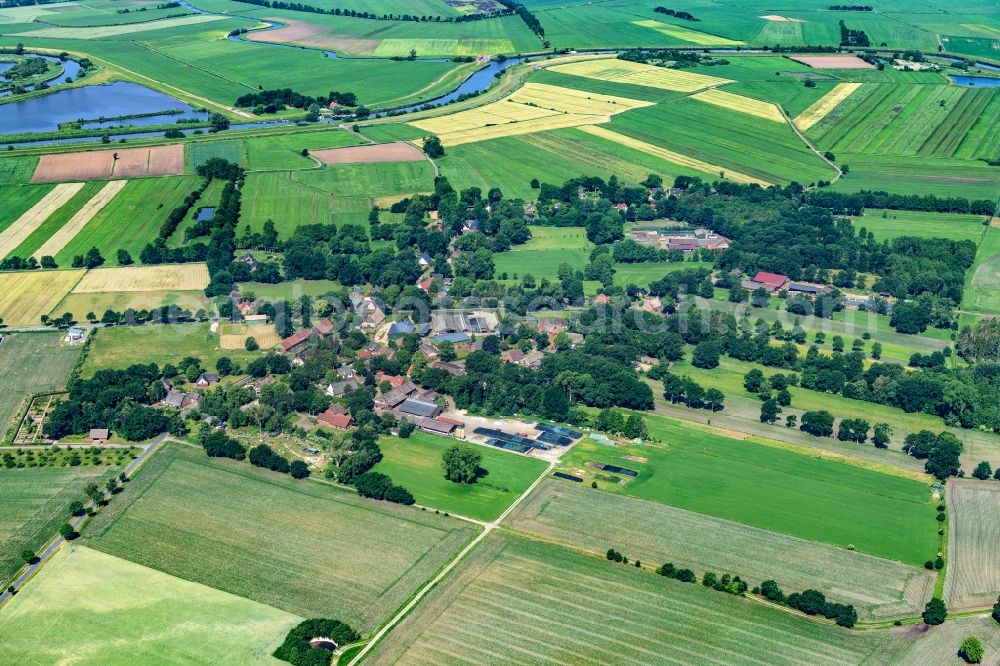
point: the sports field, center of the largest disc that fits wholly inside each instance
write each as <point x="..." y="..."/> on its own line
<point x="26" y="296"/>
<point x="534" y="107"/>
<point x="515" y="601"/>
<point x="246" y="519"/>
<point x="973" y="572"/>
<point x="173" y="277"/>
<point x="36" y="503"/>
<point x="122" y="346"/>
<point x="777" y="489"/>
<point x="415" y="464"/>
<point x="87" y="607"/>
<point x="583" y="518"/>
<point x="32" y="363"/>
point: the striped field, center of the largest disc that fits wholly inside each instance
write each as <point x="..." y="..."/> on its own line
<point x="68" y="232"/>
<point x="824" y="105"/>
<point x="754" y="107"/>
<point x="176" y="277"/>
<point x="26" y="296"/>
<point x="34" y="217"/>
<point x="624" y="71"/>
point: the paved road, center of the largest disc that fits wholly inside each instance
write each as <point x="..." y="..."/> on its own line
<point x="76" y="522"/>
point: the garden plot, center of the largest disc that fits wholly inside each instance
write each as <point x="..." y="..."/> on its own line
<point x="34" y="217"/>
<point x="824" y="105"/>
<point x="624" y="71"/>
<point x="26" y="296"/>
<point x="176" y="277"/>
<point x="672" y="156"/>
<point x="106" y="164"/>
<point x="754" y="107"/>
<point x="583" y="518"/>
<point x="535" y="107"/>
<point x="973" y="579"/>
<point x="68" y="232"/>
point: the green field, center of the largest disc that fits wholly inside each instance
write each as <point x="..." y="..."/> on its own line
<point x="32" y="363"/>
<point x="131" y="220"/>
<point x="644" y="273"/>
<point x="277" y="197"/>
<point x="886" y="224"/>
<point x="369" y="180"/>
<point x="415" y="464"/>
<point x="36" y="504"/>
<point x="291" y="289"/>
<point x="516" y="601"/>
<point x="122" y="346"/>
<point x="85" y="607"/>
<point x="56" y="220"/>
<point x="583" y="518"/>
<point x="774" y="489"/>
<point x="918" y="175"/>
<point x="314" y="550"/>
<point x="17" y="170"/>
<point x="982" y="281"/>
<point x="199" y="152"/>
<point x="284" y="151"/>
<point x="17" y="200"/>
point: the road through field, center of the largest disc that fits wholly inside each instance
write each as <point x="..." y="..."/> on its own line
<point x="35" y="216"/>
<point x="68" y="232"/>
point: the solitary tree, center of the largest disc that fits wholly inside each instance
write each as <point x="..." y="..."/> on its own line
<point x="461" y="464"/>
<point x="934" y="612"/>
<point x="971" y="650"/>
<point x="28" y="556"/>
<point x="433" y="147"/>
<point x="982" y="471"/>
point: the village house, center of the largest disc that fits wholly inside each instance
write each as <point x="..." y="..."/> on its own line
<point x="206" y="379"/>
<point x="338" y="389"/>
<point x="602" y="298"/>
<point x="512" y="356"/>
<point x="179" y="400"/>
<point x="451" y="368"/>
<point x="345" y="372"/>
<point x="770" y="282"/>
<point x="334" y="420"/>
<point x="295" y="341"/>
<point x="324" y="328"/>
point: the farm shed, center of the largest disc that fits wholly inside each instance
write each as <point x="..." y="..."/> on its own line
<point x="99" y="435"/>
<point x="420" y="408"/>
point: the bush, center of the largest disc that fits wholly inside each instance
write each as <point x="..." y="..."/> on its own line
<point x="971" y="650"/>
<point x="263" y="455"/>
<point x="298" y="469"/>
<point x="296" y="649"/>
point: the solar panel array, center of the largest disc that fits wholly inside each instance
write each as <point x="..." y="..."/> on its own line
<point x="513" y="439"/>
<point x="559" y="430"/>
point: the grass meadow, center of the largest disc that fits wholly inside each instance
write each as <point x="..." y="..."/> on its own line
<point x="32" y="363"/>
<point x="973" y="572"/>
<point x="917" y="175"/>
<point x="289" y="203"/>
<point x="777" y="489"/>
<point x="290" y="289"/>
<point x="415" y="464"/>
<point x="17" y="170"/>
<point x="585" y="519"/>
<point x="54" y="222"/>
<point x="122" y="346"/>
<point x="888" y="224"/>
<point x="982" y="281"/>
<point x="199" y="152"/>
<point x="313" y="550"/>
<point x="516" y="601"/>
<point x="131" y="220"/>
<point x="284" y="151"/>
<point x="36" y="504"/>
<point x="85" y="607"/>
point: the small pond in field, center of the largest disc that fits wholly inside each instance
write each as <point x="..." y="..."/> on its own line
<point x="93" y="103"/>
<point x="976" y="81"/>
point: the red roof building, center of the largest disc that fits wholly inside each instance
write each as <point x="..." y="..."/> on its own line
<point x="335" y="420"/>
<point x="771" y="281"/>
<point x="602" y="298"/>
<point x="296" y="340"/>
<point x="325" y="327"/>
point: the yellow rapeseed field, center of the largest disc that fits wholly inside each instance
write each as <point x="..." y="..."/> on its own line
<point x="824" y="105"/>
<point x="177" y="277"/>
<point x="624" y="71"/>
<point x="748" y="105"/>
<point x="535" y="107"/>
<point x="671" y="156"/>
<point x="26" y="296"/>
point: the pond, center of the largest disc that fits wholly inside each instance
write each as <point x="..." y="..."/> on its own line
<point x="70" y="69"/>
<point x="45" y="113"/>
<point x="976" y="81"/>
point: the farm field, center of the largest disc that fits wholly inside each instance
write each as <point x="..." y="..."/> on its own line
<point x="199" y="152"/>
<point x="887" y="224"/>
<point x="917" y="175"/>
<point x="173" y="277"/>
<point x="17" y="170"/>
<point x="642" y="274"/>
<point x="99" y="32"/>
<point x="32" y="363"/>
<point x="38" y="231"/>
<point x="18" y="201"/>
<point x="234" y="336"/>
<point x="825" y="105"/>
<point x="369" y="154"/>
<point x="26" y="296"/>
<point x="982" y="281"/>
<point x="284" y="151"/>
<point x="106" y="164"/>
<point x="36" y="503"/>
<point x="782" y="490"/>
<point x="131" y="220"/>
<point x="369" y="180"/>
<point x="98" y="302"/>
<point x="748" y="105"/>
<point x="521" y="581"/>
<point x="973" y="575"/>
<point x="291" y="289"/>
<point x="301" y="571"/>
<point x="534" y="107"/>
<point x="19" y="226"/>
<point x="85" y="604"/>
<point x="285" y="198"/>
<point x="65" y="235"/>
<point x="415" y="464"/>
<point x="623" y="71"/>
<point x="586" y="519"/>
<point x="122" y="346"/>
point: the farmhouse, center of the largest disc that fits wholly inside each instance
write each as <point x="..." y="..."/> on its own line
<point x="770" y="282"/>
<point x="335" y="419"/>
<point x="512" y="356"/>
<point x="806" y="289"/>
<point x="74" y="334"/>
<point x="684" y="240"/>
<point x="338" y="389"/>
<point x="462" y="322"/>
<point x="179" y="400"/>
<point x="295" y="341"/>
<point x="420" y="408"/>
<point x="206" y="379"/>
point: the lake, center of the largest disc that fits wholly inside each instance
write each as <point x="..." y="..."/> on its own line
<point x="45" y="113"/>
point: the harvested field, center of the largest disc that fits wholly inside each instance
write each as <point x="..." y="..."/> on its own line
<point x="315" y="36"/>
<point x="973" y="541"/>
<point x="534" y="107"/>
<point x="265" y="336"/>
<point x="102" y="31"/>
<point x="749" y="105"/>
<point x="68" y="232"/>
<point x="175" y="277"/>
<point x="581" y="518"/>
<point x="687" y="34"/>
<point x="101" y="164"/>
<point x="671" y="156"/>
<point x="824" y="105"/>
<point x="34" y="217"/>
<point x="833" y="62"/>
<point x="515" y="601"/>
<point x="26" y="296"/>
<point x="120" y="301"/>
<point x="782" y="19"/>
<point x="624" y="71"/>
<point x="383" y="152"/>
